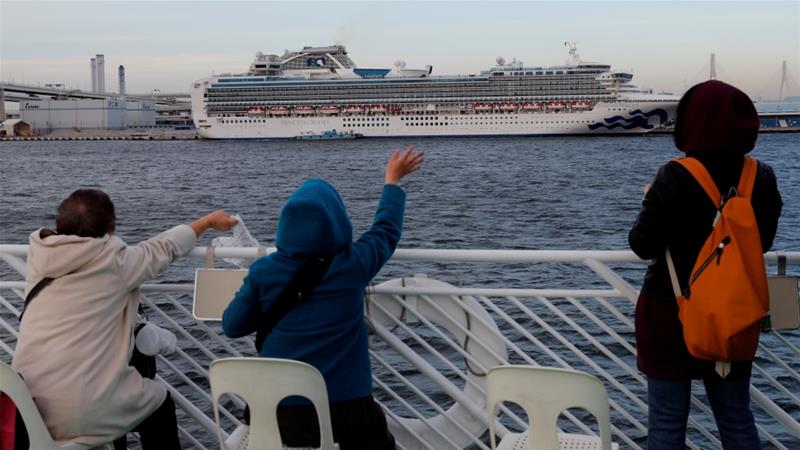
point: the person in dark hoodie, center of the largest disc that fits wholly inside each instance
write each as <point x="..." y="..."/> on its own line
<point x="327" y="328"/>
<point x="716" y="124"/>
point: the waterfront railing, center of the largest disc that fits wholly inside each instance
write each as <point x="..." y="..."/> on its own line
<point x="431" y="343"/>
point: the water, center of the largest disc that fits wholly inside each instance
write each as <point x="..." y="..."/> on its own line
<point x="513" y="193"/>
<point x="523" y="193"/>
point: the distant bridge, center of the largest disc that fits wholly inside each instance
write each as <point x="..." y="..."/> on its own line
<point x="20" y="92"/>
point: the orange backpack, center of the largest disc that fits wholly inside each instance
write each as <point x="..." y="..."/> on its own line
<point x="722" y="307"/>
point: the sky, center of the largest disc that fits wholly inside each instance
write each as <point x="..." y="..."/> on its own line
<point x="166" y="45"/>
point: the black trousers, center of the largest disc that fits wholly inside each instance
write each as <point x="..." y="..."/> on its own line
<point x="357" y="425"/>
<point x="158" y="431"/>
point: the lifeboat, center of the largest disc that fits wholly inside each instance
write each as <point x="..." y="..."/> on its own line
<point x="581" y="105"/>
<point x="329" y="110"/>
<point x="395" y="108"/>
<point x="556" y="105"/>
<point x="508" y="106"/>
<point x="482" y="107"/>
<point x="354" y="109"/>
<point x="279" y="111"/>
<point x="256" y="110"/>
<point x="304" y="110"/>
<point x="377" y="109"/>
<point x="531" y="106"/>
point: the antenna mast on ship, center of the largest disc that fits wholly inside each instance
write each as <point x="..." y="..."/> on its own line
<point x="574" y="58"/>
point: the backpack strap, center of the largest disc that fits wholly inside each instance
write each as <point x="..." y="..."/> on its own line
<point x="748" y="178"/>
<point x="33" y="293"/>
<point x="296" y="291"/>
<point x="700" y="173"/>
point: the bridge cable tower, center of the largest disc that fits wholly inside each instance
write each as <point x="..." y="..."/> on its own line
<point x="784" y="81"/>
<point x="712" y="75"/>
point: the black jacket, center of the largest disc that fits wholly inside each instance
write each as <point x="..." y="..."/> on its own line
<point x="677" y="213"/>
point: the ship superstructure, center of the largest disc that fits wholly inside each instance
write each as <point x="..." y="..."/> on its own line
<point x="320" y="89"/>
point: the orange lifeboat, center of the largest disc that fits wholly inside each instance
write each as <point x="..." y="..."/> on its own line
<point x="256" y="110"/>
<point x="482" y="107"/>
<point x="395" y="108"/>
<point x="556" y="105"/>
<point x="377" y="109"/>
<point x="354" y="109"/>
<point x="279" y="111"/>
<point x="329" y="109"/>
<point x="581" y="105"/>
<point x="508" y="106"/>
<point x="304" y="110"/>
<point x="531" y="106"/>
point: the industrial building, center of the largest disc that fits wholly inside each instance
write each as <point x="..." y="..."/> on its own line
<point x="141" y="114"/>
<point x="51" y="115"/>
<point x="87" y="114"/>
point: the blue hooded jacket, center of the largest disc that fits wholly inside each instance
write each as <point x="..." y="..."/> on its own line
<point x="327" y="330"/>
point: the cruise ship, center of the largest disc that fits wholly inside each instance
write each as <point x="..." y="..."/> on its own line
<point x="320" y="89"/>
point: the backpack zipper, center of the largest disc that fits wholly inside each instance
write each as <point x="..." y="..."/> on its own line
<point x="717" y="253"/>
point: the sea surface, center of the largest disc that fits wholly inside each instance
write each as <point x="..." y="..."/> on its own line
<point x="520" y="193"/>
<point x="498" y="193"/>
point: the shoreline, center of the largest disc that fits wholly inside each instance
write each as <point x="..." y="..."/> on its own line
<point x="161" y="136"/>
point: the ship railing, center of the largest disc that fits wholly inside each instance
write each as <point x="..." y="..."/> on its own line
<point x="432" y="343"/>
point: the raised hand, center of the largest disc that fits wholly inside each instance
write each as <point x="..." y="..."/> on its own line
<point x="400" y="165"/>
<point x="218" y="220"/>
<point x="221" y="221"/>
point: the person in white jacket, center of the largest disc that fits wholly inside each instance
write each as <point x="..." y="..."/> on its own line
<point x="76" y="336"/>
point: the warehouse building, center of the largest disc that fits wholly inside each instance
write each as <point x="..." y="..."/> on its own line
<point x="141" y="114"/>
<point x="84" y="114"/>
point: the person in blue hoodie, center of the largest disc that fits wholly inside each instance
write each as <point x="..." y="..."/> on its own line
<point x="326" y="329"/>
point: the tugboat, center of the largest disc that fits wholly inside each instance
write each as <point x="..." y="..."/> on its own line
<point x="327" y="135"/>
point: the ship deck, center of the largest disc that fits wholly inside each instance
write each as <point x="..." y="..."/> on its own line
<point x="432" y="343"/>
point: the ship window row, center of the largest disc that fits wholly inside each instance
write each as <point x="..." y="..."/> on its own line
<point x="431" y="123"/>
<point x="366" y="119"/>
<point x="416" y="110"/>
<point x="389" y="95"/>
<point x="413" y="82"/>
<point x="447" y="102"/>
<point x="421" y="86"/>
<point x="511" y="96"/>
<point x="450" y="92"/>
<point x="340" y="84"/>
<point x="565" y="87"/>
<point x="341" y="92"/>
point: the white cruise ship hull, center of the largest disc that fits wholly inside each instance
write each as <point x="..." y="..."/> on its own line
<point x="621" y="117"/>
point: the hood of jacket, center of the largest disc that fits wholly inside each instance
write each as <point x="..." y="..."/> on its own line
<point x="716" y="119"/>
<point x="58" y="254"/>
<point x="313" y="221"/>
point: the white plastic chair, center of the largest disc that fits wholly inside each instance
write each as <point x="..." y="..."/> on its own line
<point x="14" y="387"/>
<point x="263" y="383"/>
<point x="544" y="393"/>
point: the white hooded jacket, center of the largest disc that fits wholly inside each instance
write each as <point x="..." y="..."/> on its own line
<point x="76" y="340"/>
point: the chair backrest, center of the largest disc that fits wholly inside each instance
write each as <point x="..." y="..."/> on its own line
<point x="14" y="387"/>
<point x="263" y="383"/>
<point x="544" y="393"/>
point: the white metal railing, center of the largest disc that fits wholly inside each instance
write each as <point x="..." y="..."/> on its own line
<point x="431" y="344"/>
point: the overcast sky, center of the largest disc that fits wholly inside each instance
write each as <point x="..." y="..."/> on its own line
<point x="168" y="44"/>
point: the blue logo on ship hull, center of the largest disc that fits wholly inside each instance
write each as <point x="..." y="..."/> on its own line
<point x="637" y="119"/>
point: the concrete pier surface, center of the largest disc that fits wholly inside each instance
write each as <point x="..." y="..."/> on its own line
<point x="153" y="134"/>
